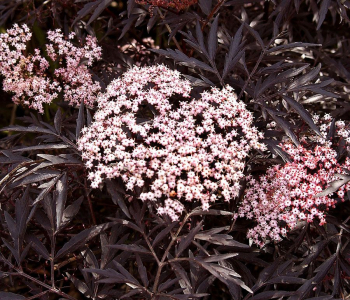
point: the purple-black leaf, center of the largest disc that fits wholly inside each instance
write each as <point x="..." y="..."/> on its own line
<point x="220" y="239"/>
<point x="234" y="54"/>
<point x="212" y="39"/>
<point x="205" y="284"/>
<point x="215" y="258"/>
<point x="42" y="147"/>
<point x="286" y="280"/>
<point x="152" y="21"/>
<point x="132" y="248"/>
<point x="213" y="212"/>
<point x="61" y="198"/>
<point x="234" y="45"/>
<point x="70" y="212"/>
<point x="126" y="223"/>
<point x="274" y="148"/>
<point x="271" y="295"/>
<point x="161" y="235"/>
<point x="200" y="39"/>
<point x="186" y="241"/>
<point x="38" y="246"/>
<point x="284" y="125"/>
<point x="128" y="23"/>
<point x="81" y="286"/>
<point x="88" y="117"/>
<point x="22" y="213"/>
<point x="277" y="78"/>
<point x="34" y="129"/>
<point x="112" y="276"/>
<point x="183" y="59"/>
<point x="88" y="8"/>
<point x="61" y="159"/>
<point x="11" y="225"/>
<point x="205" y="6"/>
<point x="170" y="282"/>
<point x="11" y="296"/>
<point x="80" y="239"/>
<point x="132" y="293"/>
<point x="186" y="296"/>
<point x="290" y="46"/>
<point x="142" y="271"/>
<point x="184" y="281"/>
<point x="305" y="78"/>
<point x="335" y="185"/>
<point x="224" y="274"/>
<point x="345" y="266"/>
<point x="103" y="4"/>
<point x="48" y="186"/>
<point x="80" y="120"/>
<point x="266" y="274"/>
<point x="25" y="252"/>
<point x="331" y="131"/>
<point x="323" y="11"/>
<point x="322" y="271"/>
<point x="14" y="251"/>
<point x="117" y="197"/>
<point x="303" y="113"/>
<point x="256" y="35"/>
<point x="58" y="121"/>
<point x="36" y="177"/>
<point x="125" y="273"/>
<point x="130" y="7"/>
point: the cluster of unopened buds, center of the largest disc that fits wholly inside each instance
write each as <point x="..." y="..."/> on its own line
<point x="177" y="5"/>
<point x="192" y="151"/>
<point x="28" y="77"/>
<point x="288" y="194"/>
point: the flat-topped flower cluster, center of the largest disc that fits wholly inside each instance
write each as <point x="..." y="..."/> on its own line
<point x="28" y="77"/>
<point x="286" y="194"/>
<point x="189" y="150"/>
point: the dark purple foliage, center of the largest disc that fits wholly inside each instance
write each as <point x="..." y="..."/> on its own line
<point x="60" y="239"/>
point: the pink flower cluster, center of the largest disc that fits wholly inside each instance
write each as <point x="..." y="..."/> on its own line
<point x="341" y="131"/>
<point x="27" y="75"/>
<point x="285" y="196"/>
<point x="73" y="72"/>
<point x="192" y="151"/>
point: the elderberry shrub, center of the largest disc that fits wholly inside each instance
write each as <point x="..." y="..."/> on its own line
<point x="174" y="150"/>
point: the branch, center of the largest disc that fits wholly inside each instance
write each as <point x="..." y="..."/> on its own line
<point x="49" y="288"/>
<point x="166" y="252"/>
<point x="89" y="200"/>
<point x="214" y="10"/>
<point x="169" y="30"/>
